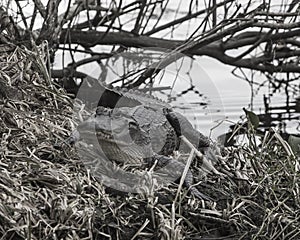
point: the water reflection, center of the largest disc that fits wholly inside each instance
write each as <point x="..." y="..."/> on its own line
<point x="279" y="109"/>
<point x="284" y="118"/>
<point x="275" y="115"/>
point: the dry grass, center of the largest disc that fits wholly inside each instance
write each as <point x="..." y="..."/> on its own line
<point x="47" y="193"/>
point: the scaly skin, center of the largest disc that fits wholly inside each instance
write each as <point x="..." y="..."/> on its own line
<point x="183" y="127"/>
<point x="117" y="98"/>
<point x="125" y="135"/>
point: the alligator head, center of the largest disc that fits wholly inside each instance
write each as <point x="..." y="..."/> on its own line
<point x="117" y="134"/>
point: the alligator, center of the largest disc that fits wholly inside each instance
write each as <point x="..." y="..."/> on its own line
<point x="132" y="113"/>
<point x="161" y="115"/>
<point x="137" y="135"/>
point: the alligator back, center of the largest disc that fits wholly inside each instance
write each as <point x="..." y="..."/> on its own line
<point x="122" y="97"/>
<point x="143" y="99"/>
<point x="163" y="136"/>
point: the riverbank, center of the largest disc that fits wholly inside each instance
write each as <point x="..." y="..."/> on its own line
<point x="47" y="192"/>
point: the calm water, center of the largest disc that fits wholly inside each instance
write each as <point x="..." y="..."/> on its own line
<point x="225" y="96"/>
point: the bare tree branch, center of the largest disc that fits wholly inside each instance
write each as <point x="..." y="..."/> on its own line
<point x="267" y="37"/>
